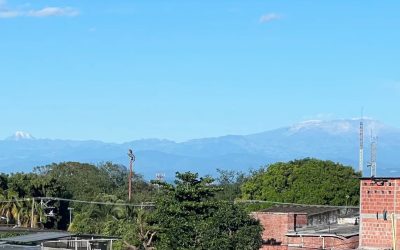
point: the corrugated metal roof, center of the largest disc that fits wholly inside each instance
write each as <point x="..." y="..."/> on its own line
<point x="37" y="237"/>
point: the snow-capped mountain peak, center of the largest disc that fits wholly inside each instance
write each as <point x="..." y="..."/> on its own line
<point x="21" y="135"/>
<point x="337" y="126"/>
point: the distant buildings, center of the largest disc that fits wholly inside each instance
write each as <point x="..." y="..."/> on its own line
<point x="374" y="227"/>
<point x="309" y="227"/>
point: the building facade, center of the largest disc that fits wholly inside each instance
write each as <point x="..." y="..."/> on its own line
<point x="379" y="213"/>
<point x="308" y="227"/>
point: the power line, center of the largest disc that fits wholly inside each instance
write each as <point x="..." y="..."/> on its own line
<point x="16" y="200"/>
<point x="144" y="204"/>
<point x="152" y="204"/>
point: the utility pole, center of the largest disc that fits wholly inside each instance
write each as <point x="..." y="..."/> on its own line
<point x="32" y="212"/>
<point x="70" y="215"/>
<point x="132" y="159"/>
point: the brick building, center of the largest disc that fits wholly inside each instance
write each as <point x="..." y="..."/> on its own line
<point x="308" y="227"/>
<point x="380" y="200"/>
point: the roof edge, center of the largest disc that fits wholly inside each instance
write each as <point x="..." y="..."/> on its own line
<point x="379" y="178"/>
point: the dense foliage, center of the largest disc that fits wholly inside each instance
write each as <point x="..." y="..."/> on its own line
<point x="308" y="181"/>
<point x="230" y="182"/>
<point x="193" y="213"/>
<point x="189" y="217"/>
<point x="79" y="181"/>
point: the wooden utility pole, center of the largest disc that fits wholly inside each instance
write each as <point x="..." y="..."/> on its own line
<point x="132" y="159"/>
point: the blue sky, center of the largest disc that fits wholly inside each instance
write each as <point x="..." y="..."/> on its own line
<point x="123" y="70"/>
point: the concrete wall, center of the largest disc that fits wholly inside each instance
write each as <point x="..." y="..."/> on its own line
<point x="330" y="217"/>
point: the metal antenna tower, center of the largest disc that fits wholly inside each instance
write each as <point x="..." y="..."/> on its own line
<point x="160" y="177"/>
<point x="361" y="159"/>
<point x="372" y="163"/>
<point x="132" y="158"/>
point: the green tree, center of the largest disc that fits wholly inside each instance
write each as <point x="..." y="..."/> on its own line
<point x="21" y="184"/>
<point x="81" y="180"/>
<point x="3" y="182"/>
<point x="308" y="181"/>
<point x="189" y="217"/>
<point x="230" y="181"/>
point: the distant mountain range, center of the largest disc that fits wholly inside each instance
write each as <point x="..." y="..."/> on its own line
<point x="336" y="140"/>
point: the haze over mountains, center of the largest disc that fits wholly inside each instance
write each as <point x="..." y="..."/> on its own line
<point x="336" y="140"/>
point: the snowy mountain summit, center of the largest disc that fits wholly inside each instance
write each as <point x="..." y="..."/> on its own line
<point x="337" y="127"/>
<point x="21" y="135"/>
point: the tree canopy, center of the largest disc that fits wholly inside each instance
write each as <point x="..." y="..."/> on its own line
<point x="191" y="213"/>
<point x="189" y="217"/>
<point x="308" y="181"/>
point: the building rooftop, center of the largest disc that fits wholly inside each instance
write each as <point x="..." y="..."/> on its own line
<point x="308" y="209"/>
<point x="379" y="178"/>
<point x="36" y="237"/>
<point x="336" y="230"/>
<point x="18" y="247"/>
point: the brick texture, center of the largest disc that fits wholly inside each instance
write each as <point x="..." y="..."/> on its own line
<point x="322" y="243"/>
<point x="269" y="247"/>
<point x="276" y="226"/>
<point x="378" y="196"/>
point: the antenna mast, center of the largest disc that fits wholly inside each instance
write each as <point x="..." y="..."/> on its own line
<point x="374" y="141"/>
<point x="372" y="163"/>
<point x="161" y="178"/>
<point x="361" y="159"/>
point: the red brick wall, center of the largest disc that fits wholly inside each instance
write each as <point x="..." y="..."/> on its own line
<point x="276" y="225"/>
<point x="301" y="220"/>
<point x="375" y="198"/>
<point x="269" y="247"/>
<point x="308" y="242"/>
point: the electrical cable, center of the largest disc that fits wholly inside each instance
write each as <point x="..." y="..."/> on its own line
<point x="151" y="204"/>
<point x="145" y="204"/>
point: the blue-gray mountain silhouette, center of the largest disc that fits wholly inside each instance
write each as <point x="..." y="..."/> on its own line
<point x="336" y="140"/>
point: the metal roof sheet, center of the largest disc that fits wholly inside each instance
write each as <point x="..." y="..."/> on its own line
<point x="37" y="237"/>
<point x="18" y="247"/>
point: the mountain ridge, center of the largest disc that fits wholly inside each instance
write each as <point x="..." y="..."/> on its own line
<point x="335" y="140"/>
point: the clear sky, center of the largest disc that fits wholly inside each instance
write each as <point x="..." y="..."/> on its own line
<point x="122" y="70"/>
